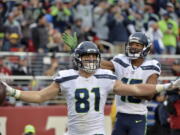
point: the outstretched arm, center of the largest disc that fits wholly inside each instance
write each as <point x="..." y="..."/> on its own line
<point x="143" y="89"/>
<point x="151" y="80"/>
<point x="34" y="96"/>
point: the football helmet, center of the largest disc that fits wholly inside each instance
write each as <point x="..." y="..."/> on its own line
<point x="85" y="48"/>
<point x="141" y="38"/>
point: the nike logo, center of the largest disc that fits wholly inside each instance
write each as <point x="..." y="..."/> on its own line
<point x="138" y="121"/>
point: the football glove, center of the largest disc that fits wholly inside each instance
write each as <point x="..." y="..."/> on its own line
<point x="169" y="86"/>
<point x="69" y="40"/>
<point x="11" y="91"/>
<point x="173" y="85"/>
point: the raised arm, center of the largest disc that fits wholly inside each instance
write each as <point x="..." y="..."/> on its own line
<point x="34" y="96"/>
<point x="143" y="89"/>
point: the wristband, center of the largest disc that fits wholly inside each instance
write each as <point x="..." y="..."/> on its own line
<point x="16" y="94"/>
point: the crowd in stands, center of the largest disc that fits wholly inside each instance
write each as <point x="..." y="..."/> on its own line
<point x="37" y="25"/>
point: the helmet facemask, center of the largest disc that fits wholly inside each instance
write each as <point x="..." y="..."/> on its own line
<point x="89" y="66"/>
<point x="134" y="53"/>
<point x="139" y="38"/>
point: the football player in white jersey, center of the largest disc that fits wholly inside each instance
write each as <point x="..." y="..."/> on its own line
<point x="86" y="88"/>
<point x="133" y="68"/>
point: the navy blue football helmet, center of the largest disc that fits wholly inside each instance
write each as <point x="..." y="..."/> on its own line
<point x="85" y="48"/>
<point x="141" y="38"/>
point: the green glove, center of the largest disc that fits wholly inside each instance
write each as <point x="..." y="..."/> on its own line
<point x="69" y="40"/>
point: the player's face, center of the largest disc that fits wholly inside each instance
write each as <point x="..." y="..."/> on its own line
<point x="89" y="58"/>
<point x="135" y="47"/>
<point x="89" y="61"/>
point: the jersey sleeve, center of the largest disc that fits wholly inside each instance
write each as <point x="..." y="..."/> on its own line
<point x="152" y="67"/>
<point x="119" y="63"/>
<point x="64" y="78"/>
<point x="110" y="81"/>
<point x="156" y="67"/>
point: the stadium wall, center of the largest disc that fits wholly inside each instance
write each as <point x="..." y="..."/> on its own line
<point x="48" y="120"/>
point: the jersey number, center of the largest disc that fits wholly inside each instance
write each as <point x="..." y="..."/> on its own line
<point x="130" y="98"/>
<point x="82" y="100"/>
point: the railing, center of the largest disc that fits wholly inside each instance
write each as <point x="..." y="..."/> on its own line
<point x="37" y="61"/>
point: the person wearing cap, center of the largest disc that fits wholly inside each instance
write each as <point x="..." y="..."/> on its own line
<point x="29" y="130"/>
<point x="176" y="68"/>
<point x="171" y="10"/>
<point x="13" y="43"/>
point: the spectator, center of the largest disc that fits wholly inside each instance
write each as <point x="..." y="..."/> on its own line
<point x="1" y="40"/>
<point x="12" y="25"/>
<point x="53" y="66"/>
<point x="156" y="36"/>
<point x="77" y="27"/>
<point x="84" y="11"/>
<point x="100" y="20"/>
<point x="62" y="15"/>
<point x="176" y="68"/>
<point x="160" y="125"/>
<point x="152" y="128"/>
<point x="170" y="9"/>
<point x="13" y="43"/>
<point x="169" y="29"/>
<point x="173" y="108"/>
<point x="139" y="24"/>
<point x="32" y="10"/>
<point x="3" y="69"/>
<point x="2" y="10"/>
<point x="29" y="130"/>
<point x="116" y="25"/>
<point x="21" y="67"/>
<point x="149" y="14"/>
<point x="55" y="44"/>
<point x="173" y="103"/>
<point x="40" y="34"/>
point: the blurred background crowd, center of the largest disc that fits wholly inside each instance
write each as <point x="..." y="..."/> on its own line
<point x="37" y="25"/>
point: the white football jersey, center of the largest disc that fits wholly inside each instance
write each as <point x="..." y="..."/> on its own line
<point x="86" y="98"/>
<point x="133" y="75"/>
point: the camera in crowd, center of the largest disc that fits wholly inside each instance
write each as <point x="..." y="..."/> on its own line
<point x="170" y="25"/>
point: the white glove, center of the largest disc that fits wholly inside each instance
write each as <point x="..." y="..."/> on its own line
<point x="176" y="84"/>
<point x="11" y="91"/>
<point x="168" y="86"/>
<point x="172" y="85"/>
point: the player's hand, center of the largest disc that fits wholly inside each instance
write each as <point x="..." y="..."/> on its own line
<point x="176" y="84"/>
<point x="9" y="90"/>
<point x="69" y="40"/>
<point x="173" y="85"/>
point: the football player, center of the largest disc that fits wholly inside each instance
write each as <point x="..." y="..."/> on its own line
<point x="133" y="68"/>
<point x="86" y="88"/>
